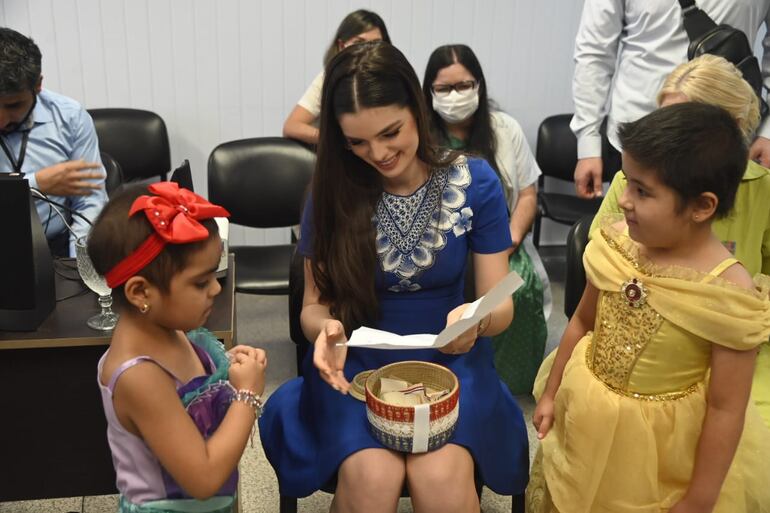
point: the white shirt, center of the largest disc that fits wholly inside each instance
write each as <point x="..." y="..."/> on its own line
<point x="518" y="167"/>
<point x="518" y="170"/>
<point x="647" y="40"/>
<point x="311" y="100"/>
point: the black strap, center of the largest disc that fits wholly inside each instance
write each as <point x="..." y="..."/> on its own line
<point x="16" y="164"/>
<point x="696" y="21"/>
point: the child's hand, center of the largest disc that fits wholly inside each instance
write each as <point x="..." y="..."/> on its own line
<point x="543" y="416"/>
<point x="247" y="350"/>
<point x="464" y="342"/>
<point x="329" y="358"/>
<point x="247" y="370"/>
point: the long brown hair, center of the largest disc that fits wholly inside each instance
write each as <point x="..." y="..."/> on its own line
<point x="481" y="136"/>
<point x="346" y="188"/>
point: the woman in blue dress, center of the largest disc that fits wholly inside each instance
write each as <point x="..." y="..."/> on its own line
<point x="386" y="237"/>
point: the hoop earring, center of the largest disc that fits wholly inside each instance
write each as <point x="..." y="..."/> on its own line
<point x="144" y="308"/>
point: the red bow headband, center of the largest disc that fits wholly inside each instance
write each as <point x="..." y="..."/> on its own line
<point x="174" y="214"/>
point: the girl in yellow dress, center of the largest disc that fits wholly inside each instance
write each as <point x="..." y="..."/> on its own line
<point x="645" y="408"/>
<point x="746" y="231"/>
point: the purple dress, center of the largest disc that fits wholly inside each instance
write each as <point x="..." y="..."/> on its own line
<point x="143" y="483"/>
<point x="422" y="241"/>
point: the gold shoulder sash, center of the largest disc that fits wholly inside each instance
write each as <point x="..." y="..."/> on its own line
<point x="711" y="308"/>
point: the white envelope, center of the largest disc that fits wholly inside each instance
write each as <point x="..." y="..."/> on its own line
<point x="378" y="339"/>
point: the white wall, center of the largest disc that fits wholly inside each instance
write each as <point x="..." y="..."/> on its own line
<point x="218" y="70"/>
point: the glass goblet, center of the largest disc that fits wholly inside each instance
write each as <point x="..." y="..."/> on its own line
<point x="107" y="319"/>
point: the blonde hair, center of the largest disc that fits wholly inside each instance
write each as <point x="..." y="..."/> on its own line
<point x="714" y="80"/>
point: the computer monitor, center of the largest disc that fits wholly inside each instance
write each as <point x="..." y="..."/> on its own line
<point x="27" y="294"/>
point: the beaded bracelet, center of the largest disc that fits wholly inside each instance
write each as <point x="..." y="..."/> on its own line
<point x="250" y="398"/>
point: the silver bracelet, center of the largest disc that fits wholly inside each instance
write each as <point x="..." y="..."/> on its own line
<point x="250" y="398"/>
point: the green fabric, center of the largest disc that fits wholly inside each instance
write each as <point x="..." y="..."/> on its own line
<point x="204" y="339"/>
<point x="212" y="505"/>
<point x="519" y="349"/>
<point x="455" y="143"/>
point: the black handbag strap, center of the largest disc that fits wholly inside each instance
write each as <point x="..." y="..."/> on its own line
<point x="696" y="21"/>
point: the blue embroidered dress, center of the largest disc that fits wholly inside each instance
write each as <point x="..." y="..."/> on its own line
<point x="423" y="240"/>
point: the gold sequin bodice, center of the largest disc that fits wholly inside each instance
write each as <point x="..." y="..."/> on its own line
<point x="636" y="352"/>
<point x="655" y="325"/>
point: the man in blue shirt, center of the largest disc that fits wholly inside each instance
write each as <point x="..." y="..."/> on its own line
<point x="51" y="140"/>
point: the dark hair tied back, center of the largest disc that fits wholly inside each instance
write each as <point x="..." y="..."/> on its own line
<point x="355" y="23"/>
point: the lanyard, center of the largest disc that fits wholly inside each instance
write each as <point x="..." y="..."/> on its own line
<point x="16" y="164"/>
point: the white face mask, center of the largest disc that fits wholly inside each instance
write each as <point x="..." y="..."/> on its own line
<point x="456" y="107"/>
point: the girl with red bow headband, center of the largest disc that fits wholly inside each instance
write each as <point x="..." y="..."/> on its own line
<point x="179" y="408"/>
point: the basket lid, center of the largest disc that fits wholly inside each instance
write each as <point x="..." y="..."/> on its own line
<point x="358" y="386"/>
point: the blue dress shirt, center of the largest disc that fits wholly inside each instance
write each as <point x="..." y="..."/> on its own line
<point x="60" y="129"/>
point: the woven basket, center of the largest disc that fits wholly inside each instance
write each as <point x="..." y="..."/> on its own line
<point x="415" y="429"/>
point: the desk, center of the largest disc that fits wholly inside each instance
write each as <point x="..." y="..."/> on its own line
<point x="53" y="435"/>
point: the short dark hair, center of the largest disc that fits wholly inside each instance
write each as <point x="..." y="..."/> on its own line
<point x="115" y="235"/>
<point x="20" y="60"/>
<point x="357" y="22"/>
<point x="693" y="147"/>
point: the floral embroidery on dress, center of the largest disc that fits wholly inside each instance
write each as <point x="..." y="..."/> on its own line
<point x="412" y="229"/>
<point x="461" y="221"/>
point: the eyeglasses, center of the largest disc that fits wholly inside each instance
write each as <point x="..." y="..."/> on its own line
<point x="463" y="88"/>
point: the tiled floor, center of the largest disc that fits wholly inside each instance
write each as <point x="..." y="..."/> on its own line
<point x="263" y="321"/>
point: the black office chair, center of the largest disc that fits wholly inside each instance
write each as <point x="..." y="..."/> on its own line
<point x="296" y="292"/>
<point x="137" y="139"/>
<point x="114" y="175"/>
<point x="262" y="182"/>
<point x="183" y="176"/>
<point x="575" y="281"/>
<point x="556" y="155"/>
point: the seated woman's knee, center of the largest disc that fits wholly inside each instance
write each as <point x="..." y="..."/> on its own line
<point x="451" y="464"/>
<point x="374" y="468"/>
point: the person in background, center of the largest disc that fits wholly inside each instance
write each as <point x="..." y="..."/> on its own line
<point x="357" y="27"/>
<point x="387" y="232"/>
<point x="746" y="232"/>
<point x="463" y="119"/>
<point x="50" y="139"/>
<point x="624" y="49"/>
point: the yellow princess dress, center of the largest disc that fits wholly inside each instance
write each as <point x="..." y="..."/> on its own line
<point x="631" y="404"/>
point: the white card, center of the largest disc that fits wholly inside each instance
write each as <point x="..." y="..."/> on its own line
<point x="378" y="339"/>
